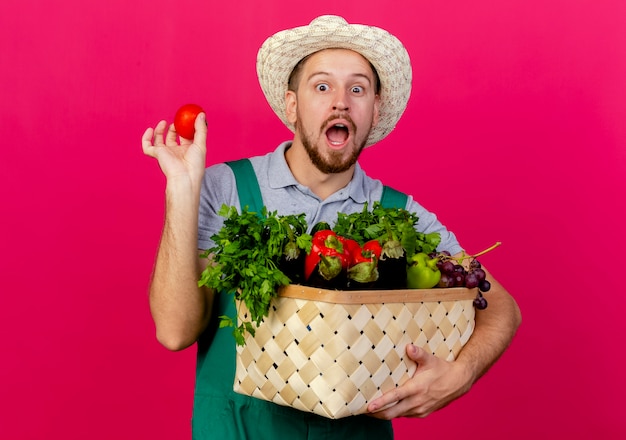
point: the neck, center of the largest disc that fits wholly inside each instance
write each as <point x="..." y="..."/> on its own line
<point x="321" y="184"/>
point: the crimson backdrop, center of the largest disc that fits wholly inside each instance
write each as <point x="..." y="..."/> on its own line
<point x="514" y="133"/>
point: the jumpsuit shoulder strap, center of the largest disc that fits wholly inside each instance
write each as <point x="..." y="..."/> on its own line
<point x="247" y="185"/>
<point x="392" y="198"/>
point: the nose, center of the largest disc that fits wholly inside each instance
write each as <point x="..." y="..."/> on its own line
<point x="340" y="101"/>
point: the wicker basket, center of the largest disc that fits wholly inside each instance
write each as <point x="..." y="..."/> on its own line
<point x="332" y="352"/>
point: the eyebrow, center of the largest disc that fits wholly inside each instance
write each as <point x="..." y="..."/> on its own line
<point x="324" y="73"/>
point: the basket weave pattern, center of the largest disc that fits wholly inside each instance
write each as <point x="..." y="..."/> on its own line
<point x="333" y="359"/>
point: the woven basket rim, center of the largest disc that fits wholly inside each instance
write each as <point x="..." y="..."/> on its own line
<point x="376" y="296"/>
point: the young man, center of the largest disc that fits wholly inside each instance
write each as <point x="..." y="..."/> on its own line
<point x="340" y="88"/>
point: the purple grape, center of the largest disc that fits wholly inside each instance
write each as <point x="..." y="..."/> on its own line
<point x="459" y="279"/>
<point x="446" y="280"/>
<point x="480" y="274"/>
<point x="480" y="303"/>
<point x="459" y="269"/>
<point x="447" y="267"/>
<point x="471" y="280"/>
<point x="484" y="286"/>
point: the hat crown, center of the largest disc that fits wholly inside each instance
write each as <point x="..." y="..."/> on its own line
<point x="329" y="21"/>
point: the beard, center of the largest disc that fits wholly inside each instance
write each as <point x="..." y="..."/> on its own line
<point x="335" y="162"/>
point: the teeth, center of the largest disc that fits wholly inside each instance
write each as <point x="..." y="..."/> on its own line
<point x="340" y="125"/>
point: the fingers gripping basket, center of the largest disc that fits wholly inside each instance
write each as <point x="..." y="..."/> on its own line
<point x="332" y="352"/>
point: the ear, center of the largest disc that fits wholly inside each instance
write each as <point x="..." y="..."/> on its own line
<point x="291" y="105"/>
<point x="376" y="115"/>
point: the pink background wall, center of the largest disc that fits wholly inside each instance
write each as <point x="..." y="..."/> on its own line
<point x="515" y="132"/>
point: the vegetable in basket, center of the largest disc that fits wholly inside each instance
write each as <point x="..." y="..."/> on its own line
<point x="363" y="270"/>
<point x="392" y="266"/>
<point x="245" y="261"/>
<point x="327" y="263"/>
<point x="422" y="272"/>
<point x="294" y="253"/>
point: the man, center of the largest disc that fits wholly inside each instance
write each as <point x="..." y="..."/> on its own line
<point x="340" y="88"/>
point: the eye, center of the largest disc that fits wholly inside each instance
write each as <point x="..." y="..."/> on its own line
<point x="321" y="87"/>
<point x="357" y="89"/>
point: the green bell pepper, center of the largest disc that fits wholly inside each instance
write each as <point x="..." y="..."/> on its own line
<point x="422" y="272"/>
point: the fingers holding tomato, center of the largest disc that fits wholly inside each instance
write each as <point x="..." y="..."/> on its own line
<point x="188" y="128"/>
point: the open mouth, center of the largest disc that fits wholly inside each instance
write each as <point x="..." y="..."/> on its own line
<point x="337" y="134"/>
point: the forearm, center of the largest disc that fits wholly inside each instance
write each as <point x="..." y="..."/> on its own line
<point x="495" y="328"/>
<point x="180" y="308"/>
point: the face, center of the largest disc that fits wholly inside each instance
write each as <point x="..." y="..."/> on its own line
<point x="334" y="108"/>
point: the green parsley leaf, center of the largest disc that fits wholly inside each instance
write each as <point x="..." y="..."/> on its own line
<point x="245" y="261"/>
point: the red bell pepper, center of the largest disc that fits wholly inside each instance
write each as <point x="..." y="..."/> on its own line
<point x="363" y="271"/>
<point x="352" y="248"/>
<point x="328" y="254"/>
<point x="367" y="252"/>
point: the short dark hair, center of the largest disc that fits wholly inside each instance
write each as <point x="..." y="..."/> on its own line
<point x="294" y="77"/>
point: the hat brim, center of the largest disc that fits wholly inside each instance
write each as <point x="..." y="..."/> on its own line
<point x="281" y="52"/>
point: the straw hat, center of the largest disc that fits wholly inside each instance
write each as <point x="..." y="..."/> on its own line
<point x="280" y="53"/>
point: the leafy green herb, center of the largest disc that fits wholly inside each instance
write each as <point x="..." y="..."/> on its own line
<point x="386" y="224"/>
<point x="245" y="261"/>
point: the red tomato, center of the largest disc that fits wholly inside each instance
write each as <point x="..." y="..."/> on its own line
<point x="185" y="118"/>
